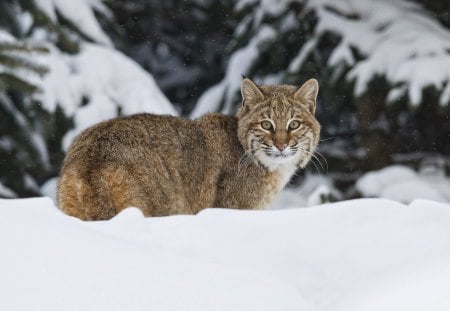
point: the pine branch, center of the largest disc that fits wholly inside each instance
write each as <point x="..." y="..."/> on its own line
<point x="15" y="47"/>
<point x="12" y="82"/>
<point x="14" y="62"/>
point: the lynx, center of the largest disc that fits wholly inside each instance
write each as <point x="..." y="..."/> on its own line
<point x="166" y="165"/>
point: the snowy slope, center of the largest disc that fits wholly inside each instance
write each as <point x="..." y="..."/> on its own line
<point x="368" y="254"/>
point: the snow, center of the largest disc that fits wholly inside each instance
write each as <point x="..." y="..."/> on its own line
<point x="239" y="64"/>
<point x="397" y="39"/>
<point x="20" y="71"/>
<point x="401" y="183"/>
<point x="39" y="143"/>
<point x="35" y="137"/>
<point x="367" y="254"/>
<point x="48" y="188"/>
<point x="5" y="192"/>
<point x="79" y="13"/>
<point x="298" y="61"/>
<point x="6" y="37"/>
<point x="93" y="74"/>
<point x="30" y="183"/>
<point x="313" y="190"/>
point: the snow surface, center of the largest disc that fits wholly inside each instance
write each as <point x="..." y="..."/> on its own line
<point x="401" y="183"/>
<point x="360" y="255"/>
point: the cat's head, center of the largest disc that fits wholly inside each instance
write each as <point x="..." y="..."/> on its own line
<point x="277" y="124"/>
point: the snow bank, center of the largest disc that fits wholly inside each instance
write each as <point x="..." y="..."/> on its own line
<point x="357" y="255"/>
<point x="401" y="183"/>
<point x="314" y="190"/>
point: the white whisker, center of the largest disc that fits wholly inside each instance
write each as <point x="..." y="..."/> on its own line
<point x="325" y="139"/>
<point x="314" y="158"/>
<point x="245" y="160"/>
<point x="323" y="157"/>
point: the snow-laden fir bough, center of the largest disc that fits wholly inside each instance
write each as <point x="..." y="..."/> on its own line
<point x="166" y="165"/>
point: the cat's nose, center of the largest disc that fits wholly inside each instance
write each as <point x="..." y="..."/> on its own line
<point x="281" y="146"/>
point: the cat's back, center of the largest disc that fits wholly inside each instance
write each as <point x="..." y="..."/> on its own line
<point x="139" y="137"/>
<point x="126" y="138"/>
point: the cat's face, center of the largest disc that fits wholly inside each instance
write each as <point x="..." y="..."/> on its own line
<point x="277" y="124"/>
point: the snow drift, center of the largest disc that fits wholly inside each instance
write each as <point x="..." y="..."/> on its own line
<point x="368" y="254"/>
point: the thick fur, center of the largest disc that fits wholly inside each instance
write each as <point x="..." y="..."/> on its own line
<point x="166" y="165"/>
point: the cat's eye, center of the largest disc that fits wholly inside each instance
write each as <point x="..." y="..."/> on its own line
<point x="294" y="125"/>
<point x="266" y="125"/>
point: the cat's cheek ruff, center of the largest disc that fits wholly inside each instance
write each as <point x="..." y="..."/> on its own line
<point x="251" y="141"/>
<point x="304" y="161"/>
<point x="308" y="152"/>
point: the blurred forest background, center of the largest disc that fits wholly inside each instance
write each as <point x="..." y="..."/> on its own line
<point x="383" y="67"/>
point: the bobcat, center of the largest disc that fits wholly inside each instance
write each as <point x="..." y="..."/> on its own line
<point x="167" y="165"/>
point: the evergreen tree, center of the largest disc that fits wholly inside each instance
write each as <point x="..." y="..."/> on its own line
<point x="21" y="145"/>
<point x="59" y="73"/>
<point x="382" y="67"/>
<point x="182" y="43"/>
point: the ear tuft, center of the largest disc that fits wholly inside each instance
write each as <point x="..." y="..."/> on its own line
<point x="308" y="93"/>
<point x="250" y="92"/>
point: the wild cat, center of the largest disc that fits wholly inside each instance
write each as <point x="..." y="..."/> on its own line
<point x="167" y="165"/>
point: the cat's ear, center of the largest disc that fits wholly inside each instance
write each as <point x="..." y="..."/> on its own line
<point x="307" y="94"/>
<point x="250" y="92"/>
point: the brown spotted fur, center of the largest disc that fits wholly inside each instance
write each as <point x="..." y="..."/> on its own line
<point x="167" y="165"/>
